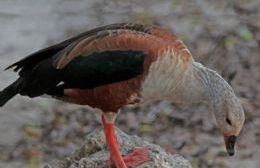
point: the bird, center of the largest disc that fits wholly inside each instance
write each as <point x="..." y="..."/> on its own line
<point x="121" y="64"/>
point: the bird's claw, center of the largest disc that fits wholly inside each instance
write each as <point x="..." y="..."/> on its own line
<point x="134" y="158"/>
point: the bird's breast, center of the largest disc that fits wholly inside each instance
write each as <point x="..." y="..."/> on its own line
<point x="166" y="78"/>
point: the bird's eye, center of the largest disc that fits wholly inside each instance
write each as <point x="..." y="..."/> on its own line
<point x="228" y="121"/>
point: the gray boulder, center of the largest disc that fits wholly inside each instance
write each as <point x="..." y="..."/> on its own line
<point x="94" y="153"/>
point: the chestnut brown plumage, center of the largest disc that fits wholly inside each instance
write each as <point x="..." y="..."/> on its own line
<point x="119" y="64"/>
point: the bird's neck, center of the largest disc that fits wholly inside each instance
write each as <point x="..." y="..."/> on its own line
<point x="200" y="84"/>
<point x="194" y="85"/>
<point x="211" y="87"/>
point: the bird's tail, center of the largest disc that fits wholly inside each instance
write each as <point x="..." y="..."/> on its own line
<point x="9" y="92"/>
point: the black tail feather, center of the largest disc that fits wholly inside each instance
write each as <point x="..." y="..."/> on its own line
<point x="9" y="92"/>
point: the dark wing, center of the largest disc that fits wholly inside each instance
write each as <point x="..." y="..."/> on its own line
<point x="102" y="68"/>
<point x="79" y="63"/>
<point x="84" y="72"/>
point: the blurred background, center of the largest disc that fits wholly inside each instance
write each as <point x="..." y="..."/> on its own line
<point x="223" y="35"/>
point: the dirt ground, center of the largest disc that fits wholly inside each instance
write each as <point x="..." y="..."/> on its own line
<point x="223" y="35"/>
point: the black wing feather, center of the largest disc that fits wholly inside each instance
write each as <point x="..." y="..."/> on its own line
<point x="102" y="68"/>
<point x="83" y="72"/>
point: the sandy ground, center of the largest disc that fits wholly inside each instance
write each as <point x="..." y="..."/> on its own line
<point x="223" y="35"/>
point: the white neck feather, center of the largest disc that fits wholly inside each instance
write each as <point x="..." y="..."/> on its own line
<point x="171" y="78"/>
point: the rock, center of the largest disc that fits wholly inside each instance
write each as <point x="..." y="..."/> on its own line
<point x="94" y="153"/>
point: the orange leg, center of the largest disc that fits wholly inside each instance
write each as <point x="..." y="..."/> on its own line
<point x="115" y="155"/>
<point x="133" y="159"/>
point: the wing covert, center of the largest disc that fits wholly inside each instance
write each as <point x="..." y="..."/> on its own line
<point x="103" y="68"/>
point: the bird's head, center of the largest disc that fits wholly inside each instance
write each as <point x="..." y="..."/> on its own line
<point x="225" y="104"/>
<point x="230" y="119"/>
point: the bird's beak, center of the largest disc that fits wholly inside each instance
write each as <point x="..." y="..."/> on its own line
<point x="230" y="144"/>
